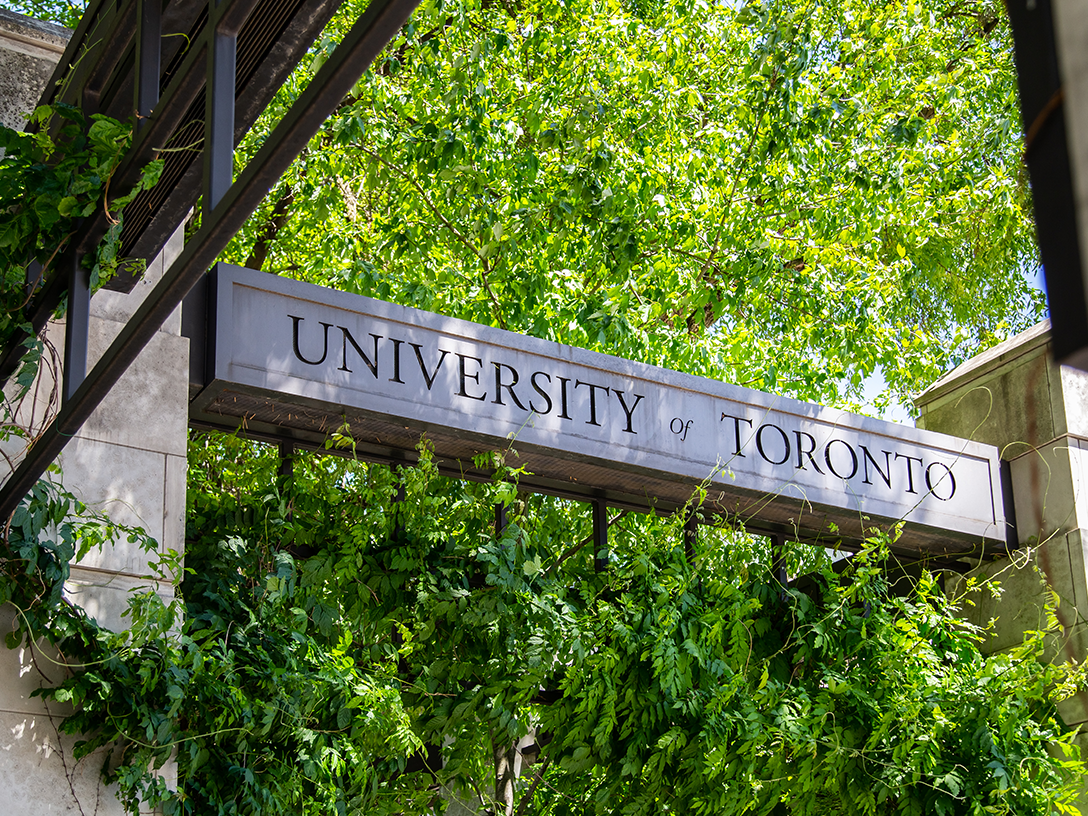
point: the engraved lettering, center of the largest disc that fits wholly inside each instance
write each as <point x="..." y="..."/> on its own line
<point x="563" y="398"/>
<point x="945" y="480"/>
<point x="466" y="376"/>
<point x="762" y="450"/>
<point x="396" y="360"/>
<point x="500" y="385"/>
<point x="801" y="451"/>
<point x="736" y="431"/>
<point x="371" y="364"/>
<point x="541" y="391"/>
<point x="910" y="471"/>
<point x="628" y="411"/>
<point x="592" y="400"/>
<point x="885" y="472"/>
<point x="324" y="354"/>
<point x="422" y="366"/>
<point x="853" y="459"/>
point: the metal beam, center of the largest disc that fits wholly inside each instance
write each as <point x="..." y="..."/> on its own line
<point x="77" y="328"/>
<point x="219" y="117"/>
<point x="778" y="564"/>
<point x="148" y="58"/>
<point x="182" y="91"/>
<point x="600" y="535"/>
<point x="374" y="29"/>
<point x="1046" y="152"/>
<point x="691" y="536"/>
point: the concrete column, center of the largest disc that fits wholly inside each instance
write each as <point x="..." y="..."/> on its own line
<point x="1013" y="396"/>
<point x="128" y="461"/>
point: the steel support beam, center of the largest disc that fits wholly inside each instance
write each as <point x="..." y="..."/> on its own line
<point x="691" y="536"/>
<point x="778" y="564"/>
<point x="377" y="26"/>
<point x="600" y="535"/>
<point x="148" y="58"/>
<point x="287" y="459"/>
<point x="219" y="116"/>
<point x="78" y="325"/>
<point x="183" y="90"/>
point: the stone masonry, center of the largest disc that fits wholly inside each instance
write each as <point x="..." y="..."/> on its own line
<point x="128" y="461"/>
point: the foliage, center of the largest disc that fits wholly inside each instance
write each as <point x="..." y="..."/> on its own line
<point x="788" y="194"/>
<point x="347" y="648"/>
<point x="62" y="12"/>
<point x="50" y="180"/>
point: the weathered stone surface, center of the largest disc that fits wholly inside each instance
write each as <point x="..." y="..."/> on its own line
<point x="127" y="484"/>
<point x="29" y="50"/>
<point x="40" y="776"/>
<point x="1013" y="396"/>
<point x="1049" y="488"/>
<point x="119" y="307"/>
<point x="140" y="410"/>
<point x="1004" y="396"/>
<point x="104" y="595"/>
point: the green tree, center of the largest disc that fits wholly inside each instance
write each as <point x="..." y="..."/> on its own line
<point x="788" y="195"/>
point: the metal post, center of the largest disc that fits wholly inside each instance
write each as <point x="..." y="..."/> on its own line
<point x="219" y="115"/>
<point x="148" y="58"/>
<point x="398" y="516"/>
<point x="500" y="518"/>
<point x="33" y="277"/>
<point x="78" y="326"/>
<point x="691" y="536"/>
<point x="287" y="459"/>
<point x="600" y="535"/>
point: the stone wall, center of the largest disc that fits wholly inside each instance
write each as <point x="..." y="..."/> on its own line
<point x="128" y="461"/>
<point x="1015" y="397"/>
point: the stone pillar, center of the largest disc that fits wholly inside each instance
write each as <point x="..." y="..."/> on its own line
<point x="128" y="461"/>
<point x="1036" y="413"/>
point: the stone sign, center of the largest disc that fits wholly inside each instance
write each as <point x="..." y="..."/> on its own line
<point x="294" y="359"/>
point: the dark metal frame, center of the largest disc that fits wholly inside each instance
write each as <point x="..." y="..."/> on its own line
<point x="228" y="204"/>
<point x="1046" y="151"/>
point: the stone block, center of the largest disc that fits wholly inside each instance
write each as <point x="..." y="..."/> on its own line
<point x="1005" y="396"/>
<point x="26" y="669"/>
<point x="29" y="51"/>
<point x="119" y="307"/>
<point x="124" y="483"/>
<point x="1057" y="565"/>
<point x="173" y="537"/>
<point x="1049" y="485"/>
<point x="1074" y="384"/>
<point x="147" y="408"/>
<point x="40" y="776"/>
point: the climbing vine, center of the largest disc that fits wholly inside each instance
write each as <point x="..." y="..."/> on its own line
<point x="359" y="638"/>
<point x="51" y="179"/>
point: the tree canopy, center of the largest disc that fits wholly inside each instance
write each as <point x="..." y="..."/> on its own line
<point x="784" y="194"/>
<point x="788" y="195"/>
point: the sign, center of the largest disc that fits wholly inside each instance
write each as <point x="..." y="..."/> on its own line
<point x="292" y="359"/>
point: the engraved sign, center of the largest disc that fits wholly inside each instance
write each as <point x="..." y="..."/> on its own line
<point x="308" y="359"/>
